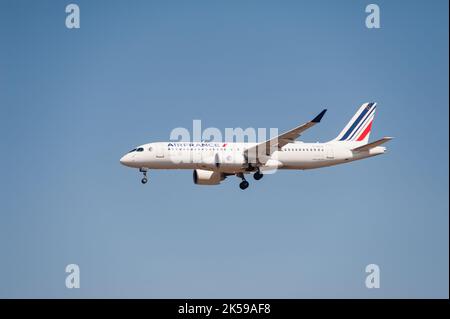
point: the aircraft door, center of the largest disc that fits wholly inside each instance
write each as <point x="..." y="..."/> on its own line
<point x="160" y="151"/>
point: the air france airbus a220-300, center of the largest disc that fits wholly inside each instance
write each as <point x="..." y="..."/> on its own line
<point x="213" y="162"/>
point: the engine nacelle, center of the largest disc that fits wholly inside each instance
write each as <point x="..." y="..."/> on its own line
<point x="205" y="177"/>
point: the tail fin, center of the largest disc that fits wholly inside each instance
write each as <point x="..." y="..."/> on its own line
<point x="358" y="129"/>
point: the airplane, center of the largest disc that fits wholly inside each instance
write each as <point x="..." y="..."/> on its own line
<point x="213" y="162"/>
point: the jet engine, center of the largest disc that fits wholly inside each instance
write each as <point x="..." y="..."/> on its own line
<point x="205" y="177"/>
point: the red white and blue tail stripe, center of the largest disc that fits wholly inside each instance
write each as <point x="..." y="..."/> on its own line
<point x="358" y="129"/>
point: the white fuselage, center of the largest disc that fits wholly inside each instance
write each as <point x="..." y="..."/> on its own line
<point x="205" y="155"/>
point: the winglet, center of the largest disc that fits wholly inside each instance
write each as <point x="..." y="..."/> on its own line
<point x="319" y="117"/>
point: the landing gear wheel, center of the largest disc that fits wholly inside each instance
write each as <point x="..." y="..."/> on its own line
<point x="144" y="172"/>
<point x="258" y="175"/>
<point x="243" y="185"/>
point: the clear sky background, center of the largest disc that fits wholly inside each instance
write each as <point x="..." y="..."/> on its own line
<point x="74" y="101"/>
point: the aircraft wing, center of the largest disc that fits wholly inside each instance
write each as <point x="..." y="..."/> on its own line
<point x="372" y="145"/>
<point x="268" y="147"/>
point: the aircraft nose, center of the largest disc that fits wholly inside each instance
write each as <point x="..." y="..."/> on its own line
<point x="125" y="160"/>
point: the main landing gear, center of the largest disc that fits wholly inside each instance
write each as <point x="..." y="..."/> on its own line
<point x="144" y="171"/>
<point x="244" y="184"/>
<point x="258" y="175"/>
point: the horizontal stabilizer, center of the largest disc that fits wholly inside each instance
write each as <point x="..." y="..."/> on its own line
<point x="372" y="145"/>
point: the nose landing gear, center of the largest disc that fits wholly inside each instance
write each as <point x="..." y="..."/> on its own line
<point x="144" y="171"/>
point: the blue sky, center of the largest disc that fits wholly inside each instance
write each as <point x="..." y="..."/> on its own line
<point x="73" y="101"/>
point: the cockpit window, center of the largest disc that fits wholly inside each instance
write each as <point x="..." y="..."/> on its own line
<point x="132" y="150"/>
<point x="140" y="149"/>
